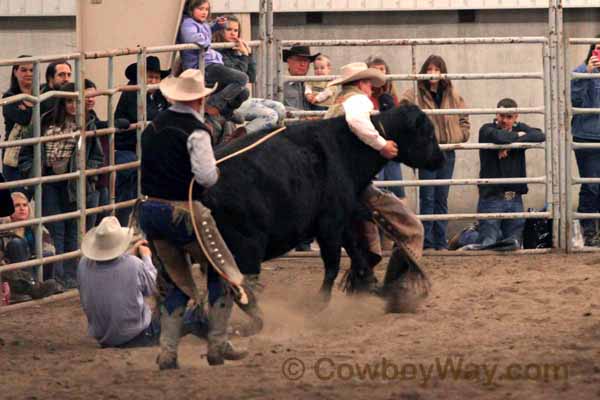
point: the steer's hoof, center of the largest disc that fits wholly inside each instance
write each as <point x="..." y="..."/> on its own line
<point x="167" y="360"/>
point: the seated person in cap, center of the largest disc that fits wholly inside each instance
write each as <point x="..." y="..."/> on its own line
<point x="500" y="234"/>
<point x="126" y="141"/>
<point x="176" y="149"/>
<point x="113" y="282"/>
<point x="18" y="245"/>
<point x="399" y="222"/>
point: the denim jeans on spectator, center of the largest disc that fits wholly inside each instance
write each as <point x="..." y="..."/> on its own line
<point x="262" y="114"/>
<point x="126" y="187"/>
<point x="231" y="92"/>
<point x="434" y="200"/>
<point x="392" y="171"/>
<point x="13" y="174"/>
<point x="98" y="198"/>
<point x="494" y="230"/>
<point x="588" y="163"/>
<point x="55" y="200"/>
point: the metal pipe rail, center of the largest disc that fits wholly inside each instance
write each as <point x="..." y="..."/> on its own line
<point x="411" y="42"/>
<point x="425" y="77"/>
<point x="456" y="217"/>
<point x="445" y="111"/>
<point x="541" y="180"/>
<point x="40" y="261"/>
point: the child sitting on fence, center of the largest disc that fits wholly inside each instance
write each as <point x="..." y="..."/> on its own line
<point x="231" y="90"/>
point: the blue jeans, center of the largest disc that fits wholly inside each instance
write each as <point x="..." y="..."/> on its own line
<point x="491" y="231"/>
<point x="126" y="187"/>
<point x="434" y="200"/>
<point x="96" y="199"/>
<point x="13" y="174"/>
<point x="588" y="163"/>
<point x="55" y="200"/>
<point x="263" y="114"/>
<point x="392" y="171"/>
<point x="231" y="92"/>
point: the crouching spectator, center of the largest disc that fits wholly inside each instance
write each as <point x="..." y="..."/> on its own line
<point x="502" y="198"/>
<point x="18" y="245"/>
<point x="113" y="282"/>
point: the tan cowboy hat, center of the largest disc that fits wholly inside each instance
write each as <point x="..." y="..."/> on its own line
<point x="187" y="87"/>
<point x="358" y="71"/>
<point x="106" y="241"/>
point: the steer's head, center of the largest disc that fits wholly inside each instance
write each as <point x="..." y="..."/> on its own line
<point x="414" y="133"/>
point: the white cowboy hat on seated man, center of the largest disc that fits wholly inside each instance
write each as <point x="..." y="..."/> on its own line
<point x="188" y="86"/>
<point x="358" y="71"/>
<point x="107" y="241"/>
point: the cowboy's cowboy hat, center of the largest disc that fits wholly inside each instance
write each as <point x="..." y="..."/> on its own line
<point x="301" y="51"/>
<point x="152" y="64"/>
<point x="358" y="71"/>
<point x="187" y="87"/>
<point x="107" y="241"/>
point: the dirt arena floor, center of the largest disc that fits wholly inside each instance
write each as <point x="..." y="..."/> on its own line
<point x="494" y="327"/>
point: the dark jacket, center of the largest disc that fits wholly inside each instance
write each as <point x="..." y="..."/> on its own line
<point x="94" y="159"/>
<point x="234" y="59"/>
<point x="127" y="108"/>
<point x="512" y="166"/>
<point x="585" y="93"/>
<point x="47" y="105"/>
<point x="14" y="115"/>
<point x="96" y="123"/>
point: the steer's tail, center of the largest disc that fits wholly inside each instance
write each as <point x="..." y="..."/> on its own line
<point x="405" y="284"/>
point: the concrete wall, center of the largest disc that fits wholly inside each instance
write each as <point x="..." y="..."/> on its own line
<point x="463" y="59"/>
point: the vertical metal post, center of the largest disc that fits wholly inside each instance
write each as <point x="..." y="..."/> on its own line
<point x="202" y="67"/>
<point x="272" y="54"/>
<point x="81" y="147"/>
<point x="37" y="167"/>
<point x="112" y="176"/>
<point x="561" y="131"/>
<point x="278" y="94"/>
<point x="413" y="70"/>
<point x="552" y="184"/>
<point x="261" y="89"/>
<point x="141" y="110"/>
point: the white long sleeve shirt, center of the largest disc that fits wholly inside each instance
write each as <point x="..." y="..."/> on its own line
<point x="202" y="157"/>
<point x="358" y="110"/>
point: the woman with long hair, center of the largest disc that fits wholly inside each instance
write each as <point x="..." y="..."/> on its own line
<point x="261" y="114"/>
<point x="436" y="94"/>
<point x="17" y="117"/>
<point x="61" y="157"/>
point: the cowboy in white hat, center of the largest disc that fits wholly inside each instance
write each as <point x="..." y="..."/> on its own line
<point x="176" y="148"/>
<point x="357" y="81"/>
<point x="111" y="265"/>
<point x="107" y="268"/>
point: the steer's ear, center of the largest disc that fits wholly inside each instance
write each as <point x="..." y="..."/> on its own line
<point x="421" y="119"/>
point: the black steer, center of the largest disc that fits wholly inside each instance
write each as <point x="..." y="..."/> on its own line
<point x="305" y="183"/>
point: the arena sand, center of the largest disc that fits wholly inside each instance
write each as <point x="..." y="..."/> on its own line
<point x="494" y="327"/>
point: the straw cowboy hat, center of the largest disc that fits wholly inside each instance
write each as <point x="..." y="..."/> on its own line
<point x="301" y="51"/>
<point x="152" y="64"/>
<point x="358" y="71"/>
<point x="107" y="241"/>
<point x="187" y="87"/>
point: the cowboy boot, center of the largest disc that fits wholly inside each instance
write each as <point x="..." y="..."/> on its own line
<point x="170" y="333"/>
<point x="219" y="347"/>
<point x="251" y="286"/>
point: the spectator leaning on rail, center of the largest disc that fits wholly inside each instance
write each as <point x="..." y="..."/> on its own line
<point x="126" y="141"/>
<point x="17" y="118"/>
<point x="436" y="94"/>
<point x="501" y="234"/>
<point x="298" y="59"/>
<point x="353" y="102"/>
<point x="262" y="114"/>
<point x="231" y="84"/>
<point x="58" y="74"/>
<point x="60" y="157"/>
<point x="585" y="93"/>
<point x="18" y="245"/>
